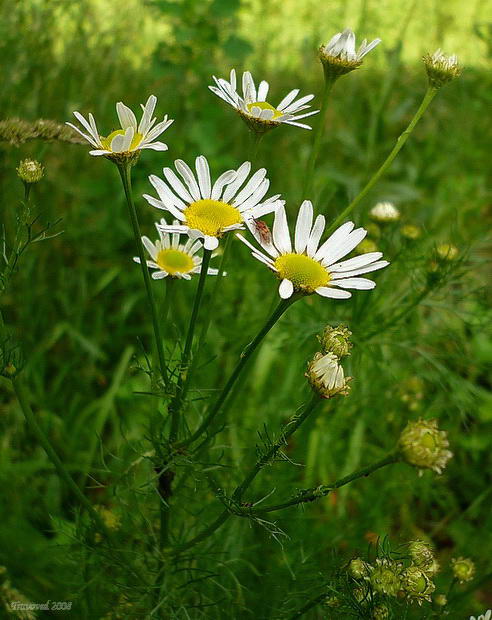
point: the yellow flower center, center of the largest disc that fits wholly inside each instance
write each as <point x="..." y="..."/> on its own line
<point x="428" y="441"/>
<point x="211" y="216"/>
<point x="174" y="261"/>
<point x="106" y="142"/>
<point x="264" y="105"/>
<point x="304" y="272"/>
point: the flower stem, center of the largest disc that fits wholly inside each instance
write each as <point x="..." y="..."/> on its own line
<point x="125" y="173"/>
<point x="310" y="495"/>
<point x="236" y="373"/>
<point x="309" y="605"/>
<point x="429" y="96"/>
<point x="318" y="134"/>
<point x="175" y="405"/>
<point x="256" y="138"/>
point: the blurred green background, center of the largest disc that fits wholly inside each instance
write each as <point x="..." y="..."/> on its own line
<point x="78" y="308"/>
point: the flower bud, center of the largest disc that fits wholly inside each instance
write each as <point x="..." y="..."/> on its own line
<point x="326" y="376"/>
<point x="384" y="212"/>
<point x="359" y="569"/>
<point x="440" y="68"/>
<point x="424" y="446"/>
<point x="463" y="569"/>
<point x="381" y="612"/>
<point x="421" y="553"/>
<point x="441" y="600"/>
<point x="411" y="232"/>
<point x="30" y="171"/>
<point x="447" y="252"/>
<point x="386" y="577"/>
<point x="416" y="584"/>
<point x="336" y="340"/>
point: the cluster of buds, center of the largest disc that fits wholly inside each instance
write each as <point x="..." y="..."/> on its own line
<point x="30" y="171"/>
<point x="424" y="446"/>
<point x="441" y="69"/>
<point x="325" y="373"/>
<point x="384" y="213"/>
<point x="463" y="569"/>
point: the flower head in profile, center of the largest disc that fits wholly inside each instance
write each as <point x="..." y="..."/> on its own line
<point x="207" y="210"/>
<point x="463" y="569"/>
<point x="30" y="171"/>
<point x="417" y="585"/>
<point x="254" y="108"/>
<point x="424" y="446"/>
<point x="131" y="137"/>
<point x="170" y="257"/>
<point x="486" y="616"/>
<point x="308" y="267"/>
<point x="384" y="212"/>
<point x="441" y="69"/>
<point x="340" y="56"/>
<point x="326" y="377"/>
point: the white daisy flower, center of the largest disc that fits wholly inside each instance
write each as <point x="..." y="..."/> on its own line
<point x="384" y="212"/>
<point x="131" y="137"/>
<point x="340" y="55"/>
<point x="441" y="68"/>
<point x="326" y="376"/>
<point x="309" y="267"/>
<point x="172" y="258"/>
<point x="486" y="616"/>
<point x="209" y="211"/>
<point x="254" y="108"/>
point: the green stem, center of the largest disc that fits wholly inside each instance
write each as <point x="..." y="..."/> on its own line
<point x="290" y="428"/>
<point x="310" y="495"/>
<point x="22" y="397"/>
<point x="27" y="191"/>
<point x="256" y="138"/>
<point x="175" y="406"/>
<point x="125" y="172"/>
<point x="318" y="134"/>
<point x="309" y="605"/>
<point x="429" y="96"/>
<point x="236" y="373"/>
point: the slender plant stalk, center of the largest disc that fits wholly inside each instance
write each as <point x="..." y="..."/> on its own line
<point x="289" y="429"/>
<point x="318" y="134"/>
<point x="21" y="394"/>
<point x="321" y="491"/>
<point x="429" y="96"/>
<point x="175" y="406"/>
<point x="236" y="373"/>
<point x="309" y="605"/>
<point x="308" y="496"/>
<point x="125" y="172"/>
<point x="256" y="138"/>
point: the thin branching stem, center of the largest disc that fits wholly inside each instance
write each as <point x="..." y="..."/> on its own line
<point x="236" y="373"/>
<point x="429" y="96"/>
<point x="125" y="173"/>
<point x="309" y="605"/>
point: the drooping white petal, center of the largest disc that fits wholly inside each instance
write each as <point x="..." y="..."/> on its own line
<point x="286" y="289"/>
<point x="150" y="247"/>
<point x="358" y="261"/>
<point x="126" y="116"/>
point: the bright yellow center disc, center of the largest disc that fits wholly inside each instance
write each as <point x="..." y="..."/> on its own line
<point x="211" y="216"/>
<point x="304" y="272"/>
<point x="106" y="142"/>
<point x="264" y="105"/>
<point x="174" y="261"/>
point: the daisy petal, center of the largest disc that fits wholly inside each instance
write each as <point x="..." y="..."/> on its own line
<point x="303" y="226"/>
<point x="281" y="236"/>
<point x="326" y="291"/>
<point x="286" y="289"/>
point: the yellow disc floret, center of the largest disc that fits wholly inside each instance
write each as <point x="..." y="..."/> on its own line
<point x="264" y="105"/>
<point x="174" y="261"/>
<point x="304" y="272"/>
<point x="211" y="216"/>
<point x="106" y="142"/>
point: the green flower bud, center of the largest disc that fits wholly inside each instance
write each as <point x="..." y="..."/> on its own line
<point x="421" y="553"/>
<point x="386" y="577"/>
<point x="30" y="171"/>
<point x="381" y="612"/>
<point x="416" y="584"/>
<point x="463" y="569"/>
<point x="359" y="569"/>
<point x="441" y="69"/>
<point x="367" y="245"/>
<point x="411" y="232"/>
<point x="424" y="446"/>
<point x="336" y="340"/>
<point x="441" y="600"/>
<point x="447" y="252"/>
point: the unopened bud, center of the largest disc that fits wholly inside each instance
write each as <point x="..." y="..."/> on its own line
<point x="411" y="232"/>
<point x="30" y="171"/>
<point x="380" y="612"/>
<point x="424" y="446"/>
<point x="359" y="569"/>
<point x="441" y="600"/>
<point x="463" y="569"/>
<point x="336" y="340"/>
<point x="384" y="212"/>
<point x="447" y="252"/>
<point x="416" y="584"/>
<point x="386" y="577"/>
<point x="421" y="553"/>
<point x="326" y="376"/>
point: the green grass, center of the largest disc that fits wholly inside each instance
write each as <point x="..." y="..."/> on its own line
<point x="77" y="307"/>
